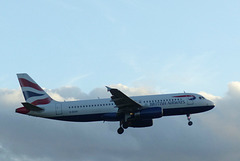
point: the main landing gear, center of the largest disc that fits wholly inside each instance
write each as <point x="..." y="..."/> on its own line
<point x="189" y="120"/>
<point x="120" y="130"/>
<point x="123" y="125"/>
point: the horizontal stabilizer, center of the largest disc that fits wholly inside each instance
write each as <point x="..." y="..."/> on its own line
<point x="31" y="107"/>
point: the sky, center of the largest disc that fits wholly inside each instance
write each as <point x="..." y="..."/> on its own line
<point x="73" y="49"/>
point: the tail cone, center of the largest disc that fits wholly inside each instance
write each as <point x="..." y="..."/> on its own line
<point x="22" y="110"/>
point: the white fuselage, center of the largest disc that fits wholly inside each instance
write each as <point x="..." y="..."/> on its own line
<point x="93" y="110"/>
<point x="138" y="111"/>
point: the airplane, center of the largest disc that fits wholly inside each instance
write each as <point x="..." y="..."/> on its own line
<point x="137" y="111"/>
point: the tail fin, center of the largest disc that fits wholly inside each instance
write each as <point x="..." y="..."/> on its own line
<point x="32" y="92"/>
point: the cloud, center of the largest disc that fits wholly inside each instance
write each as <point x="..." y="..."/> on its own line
<point x="224" y="122"/>
<point x="214" y="136"/>
<point x="227" y="112"/>
<point x="70" y="93"/>
<point x="134" y="91"/>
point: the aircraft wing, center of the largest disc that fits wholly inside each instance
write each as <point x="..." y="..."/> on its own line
<point x="123" y="102"/>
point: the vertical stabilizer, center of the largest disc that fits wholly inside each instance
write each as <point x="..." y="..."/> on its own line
<point x="32" y="92"/>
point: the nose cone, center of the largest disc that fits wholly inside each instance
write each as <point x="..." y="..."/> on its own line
<point x="211" y="104"/>
<point x="22" y="110"/>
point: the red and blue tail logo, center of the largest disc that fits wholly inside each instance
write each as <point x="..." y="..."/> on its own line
<point x="32" y="92"/>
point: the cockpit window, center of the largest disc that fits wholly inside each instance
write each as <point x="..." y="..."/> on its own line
<point x="201" y="97"/>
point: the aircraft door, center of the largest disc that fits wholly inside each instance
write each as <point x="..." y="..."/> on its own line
<point x="58" y="108"/>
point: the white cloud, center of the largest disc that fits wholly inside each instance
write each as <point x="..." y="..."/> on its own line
<point x="210" y="96"/>
<point x="234" y="89"/>
<point x="10" y="97"/>
<point x="214" y="136"/>
<point x="134" y="91"/>
<point x="227" y="113"/>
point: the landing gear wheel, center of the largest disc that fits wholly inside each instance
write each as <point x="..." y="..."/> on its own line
<point x="190" y="123"/>
<point x="120" y="130"/>
<point x="189" y="120"/>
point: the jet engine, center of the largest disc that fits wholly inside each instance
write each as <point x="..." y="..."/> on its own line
<point x="140" y="123"/>
<point x="149" y="113"/>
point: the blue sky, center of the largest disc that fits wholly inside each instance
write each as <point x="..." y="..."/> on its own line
<point x="74" y="48"/>
<point x="169" y="46"/>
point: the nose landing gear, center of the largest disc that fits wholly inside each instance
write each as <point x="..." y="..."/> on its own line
<point x="189" y="120"/>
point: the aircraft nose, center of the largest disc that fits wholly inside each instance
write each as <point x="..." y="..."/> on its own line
<point x="211" y="104"/>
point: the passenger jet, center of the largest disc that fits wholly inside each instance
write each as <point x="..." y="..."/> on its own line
<point x="138" y="111"/>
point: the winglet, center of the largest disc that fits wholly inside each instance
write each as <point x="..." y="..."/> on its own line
<point x="108" y="88"/>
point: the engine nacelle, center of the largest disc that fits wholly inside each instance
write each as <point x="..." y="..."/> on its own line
<point x="141" y="123"/>
<point x="111" y="117"/>
<point x="149" y="113"/>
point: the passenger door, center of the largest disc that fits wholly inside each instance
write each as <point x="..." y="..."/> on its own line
<point x="58" y="108"/>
